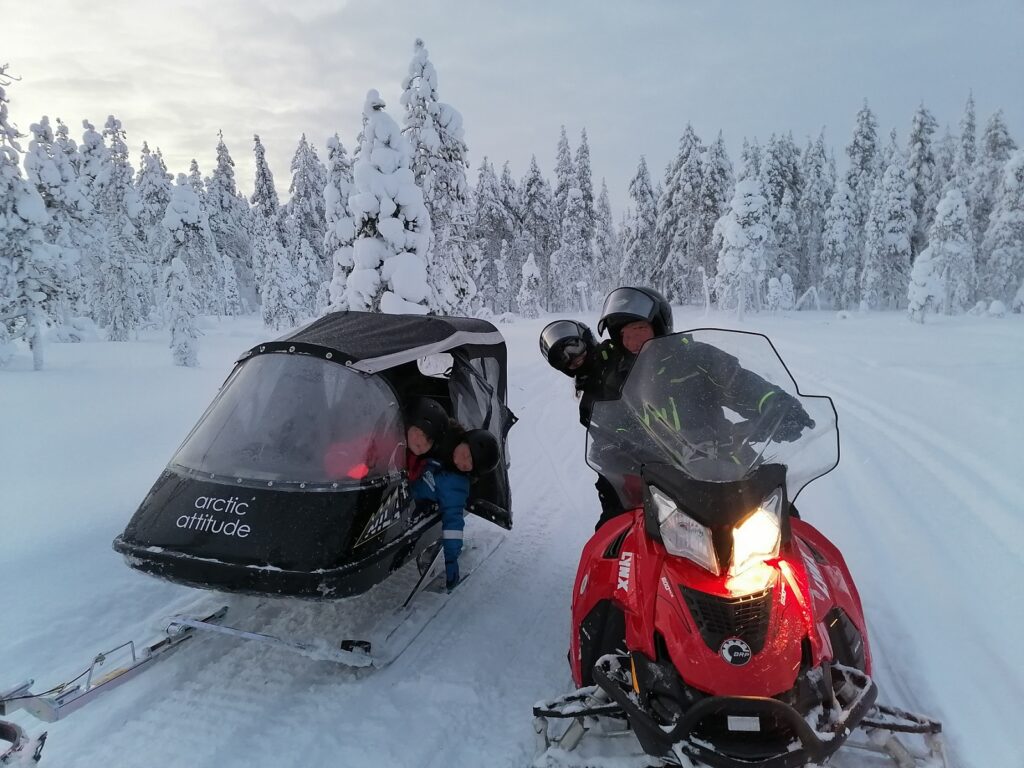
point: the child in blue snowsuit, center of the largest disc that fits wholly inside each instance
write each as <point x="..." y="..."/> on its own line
<point x="445" y="481"/>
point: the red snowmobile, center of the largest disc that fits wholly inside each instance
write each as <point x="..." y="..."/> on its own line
<point x="710" y="621"/>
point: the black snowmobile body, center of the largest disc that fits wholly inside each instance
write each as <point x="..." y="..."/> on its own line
<point x="294" y="483"/>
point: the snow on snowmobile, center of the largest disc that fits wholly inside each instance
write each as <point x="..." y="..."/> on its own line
<point x="711" y="625"/>
<point x="293" y="484"/>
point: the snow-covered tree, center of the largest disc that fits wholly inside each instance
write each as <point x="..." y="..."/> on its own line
<point x="502" y="283"/>
<point x="340" y="225"/>
<point x="195" y="180"/>
<point x="780" y="170"/>
<point x="943" y="274"/>
<point x="787" y="300"/>
<point x="528" y="298"/>
<point x="306" y="204"/>
<point x="124" y="288"/>
<point x="966" y="150"/>
<point x="540" y="225"/>
<point x="282" y="290"/>
<point x="922" y="173"/>
<point x="182" y="307"/>
<point x="785" y="245"/>
<point x="638" y="264"/>
<point x="1002" y="270"/>
<point x="863" y="170"/>
<point x="572" y="264"/>
<point x="744" y="232"/>
<point x="264" y="196"/>
<point x="585" y="184"/>
<point x="31" y="270"/>
<point x="230" y="221"/>
<point x="773" y="296"/>
<point x="839" y="250"/>
<point x="188" y="238"/>
<point x="750" y="161"/>
<point x="810" y="211"/>
<point x="887" y="249"/>
<point x="677" y="206"/>
<point x="305" y="264"/>
<point x="996" y="147"/>
<point x="54" y="176"/>
<point x="607" y="253"/>
<point x="565" y="175"/>
<point x="392" y="226"/>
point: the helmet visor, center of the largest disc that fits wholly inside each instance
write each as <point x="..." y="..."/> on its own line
<point x="625" y="304"/>
<point x="556" y="333"/>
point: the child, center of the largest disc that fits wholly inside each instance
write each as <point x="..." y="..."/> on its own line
<point x="460" y="459"/>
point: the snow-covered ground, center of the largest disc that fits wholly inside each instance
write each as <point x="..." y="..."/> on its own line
<point x="926" y="504"/>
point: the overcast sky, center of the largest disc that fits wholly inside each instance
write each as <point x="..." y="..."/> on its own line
<point x="632" y="73"/>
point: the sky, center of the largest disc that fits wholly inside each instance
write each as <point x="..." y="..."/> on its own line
<point x="633" y="74"/>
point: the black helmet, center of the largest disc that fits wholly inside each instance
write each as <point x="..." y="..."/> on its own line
<point x="564" y="340"/>
<point x="483" y="447"/>
<point x="429" y="415"/>
<point x="627" y="305"/>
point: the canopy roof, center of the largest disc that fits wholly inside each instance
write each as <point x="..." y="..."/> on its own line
<point x="372" y="342"/>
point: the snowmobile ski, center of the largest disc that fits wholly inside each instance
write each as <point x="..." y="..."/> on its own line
<point x="395" y="633"/>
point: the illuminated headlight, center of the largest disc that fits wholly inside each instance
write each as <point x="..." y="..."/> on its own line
<point x="682" y="535"/>
<point x="758" y="537"/>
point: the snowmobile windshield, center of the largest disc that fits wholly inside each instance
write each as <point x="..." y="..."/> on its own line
<point x="298" y="421"/>
<point x="716" y="405"/>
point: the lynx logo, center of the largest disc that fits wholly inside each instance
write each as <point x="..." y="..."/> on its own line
<point x="735" y="651"/>
<point x="819" y="587"/>
<point x="625" y="564"/>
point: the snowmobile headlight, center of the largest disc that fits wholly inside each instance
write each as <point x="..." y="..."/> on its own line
<point x="682" y="535"/>
<point x="758" y="537"/>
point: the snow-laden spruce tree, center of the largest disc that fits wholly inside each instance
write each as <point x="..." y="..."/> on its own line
<point x="572" y="265"/>
<point x="585" y="184"/>
<point x="864" y="168"/>
<point x="943" y="275"/>
<point x="750" y="161"/>
<point x="716" y="188"/>
<point x="996" y="147"/>
<point x="265" y="204"/>
<point x="607" y="250"/>
<point x="154" y="190"/>
<point x="182" y="308"/>
<point x="125" y="287"/>
<point x="195" y="180"/>
<point x="677" y="206"/>
<point x="54" y="176"/>
<point x="780" y="170"/>
<point x="492" y="223"/>
<point x="435" y="134"/>
<point x="1001" y="271"/>
<point x="306" y="204"/>
<point x="887" y="249"/>
<point x="785" y="248"/>
<point x="922" y="173"/>
<point x="306" y="264"/>
<point x="638" y="261"/>
<point x="231" y="222"/>
<point x="744" y="234"/>
<point x="392" y="226"/>
<point x="528" y="298"/>
<point x="281" y="290"/>
<point x="966" y="156"/>
<point x="540" y="226"/>
<point x="340" y="225"/>
<point x="565" y="175"/>
<point x="788" y="299"/>
<point x="188" y="237"/>
<point x="818" y="187"/>
<point x="31" y="270"/>
<point x="840" y="256"/>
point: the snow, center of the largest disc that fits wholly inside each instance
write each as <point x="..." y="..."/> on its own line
<point x="925" y="505"/>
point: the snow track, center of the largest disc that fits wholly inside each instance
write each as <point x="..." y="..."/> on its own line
<point x="926" y="505"/>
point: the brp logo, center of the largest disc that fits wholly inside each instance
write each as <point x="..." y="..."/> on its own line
<point x="735" y="651"/>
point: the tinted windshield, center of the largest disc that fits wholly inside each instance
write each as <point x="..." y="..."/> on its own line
<point x="297" y="419"/>
<point x="716" y="405"/>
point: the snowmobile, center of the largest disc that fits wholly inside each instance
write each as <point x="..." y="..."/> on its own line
<point x="710" y="624"/>
<point x="294" y="484"/>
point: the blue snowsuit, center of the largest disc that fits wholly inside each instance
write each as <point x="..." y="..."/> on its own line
<point x="450" y="491"/>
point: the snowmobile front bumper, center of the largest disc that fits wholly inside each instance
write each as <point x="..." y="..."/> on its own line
<point x="726" y="731"/>
<point x="345" y="580"/>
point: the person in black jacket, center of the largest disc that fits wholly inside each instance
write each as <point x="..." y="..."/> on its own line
<point x="704" y="374"/>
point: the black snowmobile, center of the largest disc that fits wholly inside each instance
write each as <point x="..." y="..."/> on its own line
<point x="293" y="482"/>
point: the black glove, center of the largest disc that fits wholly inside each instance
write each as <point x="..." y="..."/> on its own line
<point x="790" y="417"/>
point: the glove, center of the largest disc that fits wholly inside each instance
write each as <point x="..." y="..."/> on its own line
<point x="790" y="417"/>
